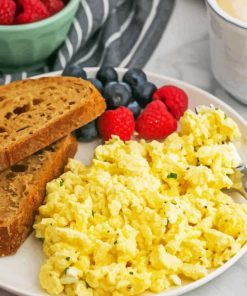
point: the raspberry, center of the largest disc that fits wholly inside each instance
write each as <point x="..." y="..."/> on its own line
<point x="118" y="122"/>
<point x="175" y="98"/>
<point x="33" y="11"/>
<point x="7" y="12"/>
<point x="155" y="122"/>
<point x="53" y="6"/>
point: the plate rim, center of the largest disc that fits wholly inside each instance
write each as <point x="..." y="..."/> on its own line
<point x="175" y="291"/>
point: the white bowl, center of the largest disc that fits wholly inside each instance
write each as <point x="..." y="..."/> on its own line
<point x="228" y="46"/>
<point x="19" y="273"/>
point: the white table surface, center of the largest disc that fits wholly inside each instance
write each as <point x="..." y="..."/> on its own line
<point x="183" y="53"/>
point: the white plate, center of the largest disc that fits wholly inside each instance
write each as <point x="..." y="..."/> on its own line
<point x="19" y="273"/>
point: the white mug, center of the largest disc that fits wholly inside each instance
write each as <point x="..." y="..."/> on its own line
<point x="228" y="46"/>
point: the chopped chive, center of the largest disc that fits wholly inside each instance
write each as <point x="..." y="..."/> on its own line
<point x="225" y="116"/>
<point x="93" y="213"/>
<point x="131" y="272"/>
<point x="115" y="242"/>
<point x="67" y="258"/>
<point x="65" y="270"/>
<point x="172" y="176"/>
<point x="61" y="182"/>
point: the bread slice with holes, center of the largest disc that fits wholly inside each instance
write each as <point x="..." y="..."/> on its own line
<point x="22" y="189"/>
<point x="37" y="112"/>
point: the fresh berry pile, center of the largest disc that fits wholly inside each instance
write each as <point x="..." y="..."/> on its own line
<point x="133" y="104"/>
<point x="14" y="12"/>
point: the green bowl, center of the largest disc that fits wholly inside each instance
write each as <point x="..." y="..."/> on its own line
<point x="27" y="46"/>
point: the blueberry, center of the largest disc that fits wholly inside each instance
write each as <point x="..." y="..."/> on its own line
<point x="106" y="75"/>
<point x="134" y="77"/>
<point x="135" y="108"/>
<point x="126" y="85"/>
<point x="116" y="94"/>
<point x="97" y="84"/>
<point x="143" y="93"/>
<point x="87" y="132"/>
<point x="75" y="71"/>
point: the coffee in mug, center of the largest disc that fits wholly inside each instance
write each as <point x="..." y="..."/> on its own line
<point x="235" y="8"/>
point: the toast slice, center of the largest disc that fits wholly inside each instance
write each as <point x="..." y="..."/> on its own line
<point x="35" y="113"/>
<point x="22" y="189"/>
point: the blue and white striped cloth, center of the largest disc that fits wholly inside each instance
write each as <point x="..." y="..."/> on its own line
<point x="119" y="33"/>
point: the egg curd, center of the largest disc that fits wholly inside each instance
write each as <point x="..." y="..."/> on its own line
<point x="144" y="216"/>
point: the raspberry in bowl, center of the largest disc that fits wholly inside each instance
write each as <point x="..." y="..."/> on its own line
<point x="31" y="30"/>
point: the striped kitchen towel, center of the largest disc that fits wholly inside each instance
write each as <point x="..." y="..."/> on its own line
<point x="119" y="33"/>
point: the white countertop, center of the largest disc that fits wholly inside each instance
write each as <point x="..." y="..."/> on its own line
<point x="183" y="53"/>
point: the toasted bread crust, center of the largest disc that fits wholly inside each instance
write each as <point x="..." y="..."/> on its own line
<point x="22" y="192"/>
<point x="67" y="118"/>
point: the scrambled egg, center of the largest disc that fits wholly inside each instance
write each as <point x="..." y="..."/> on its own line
<point x="144" y="216"/>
